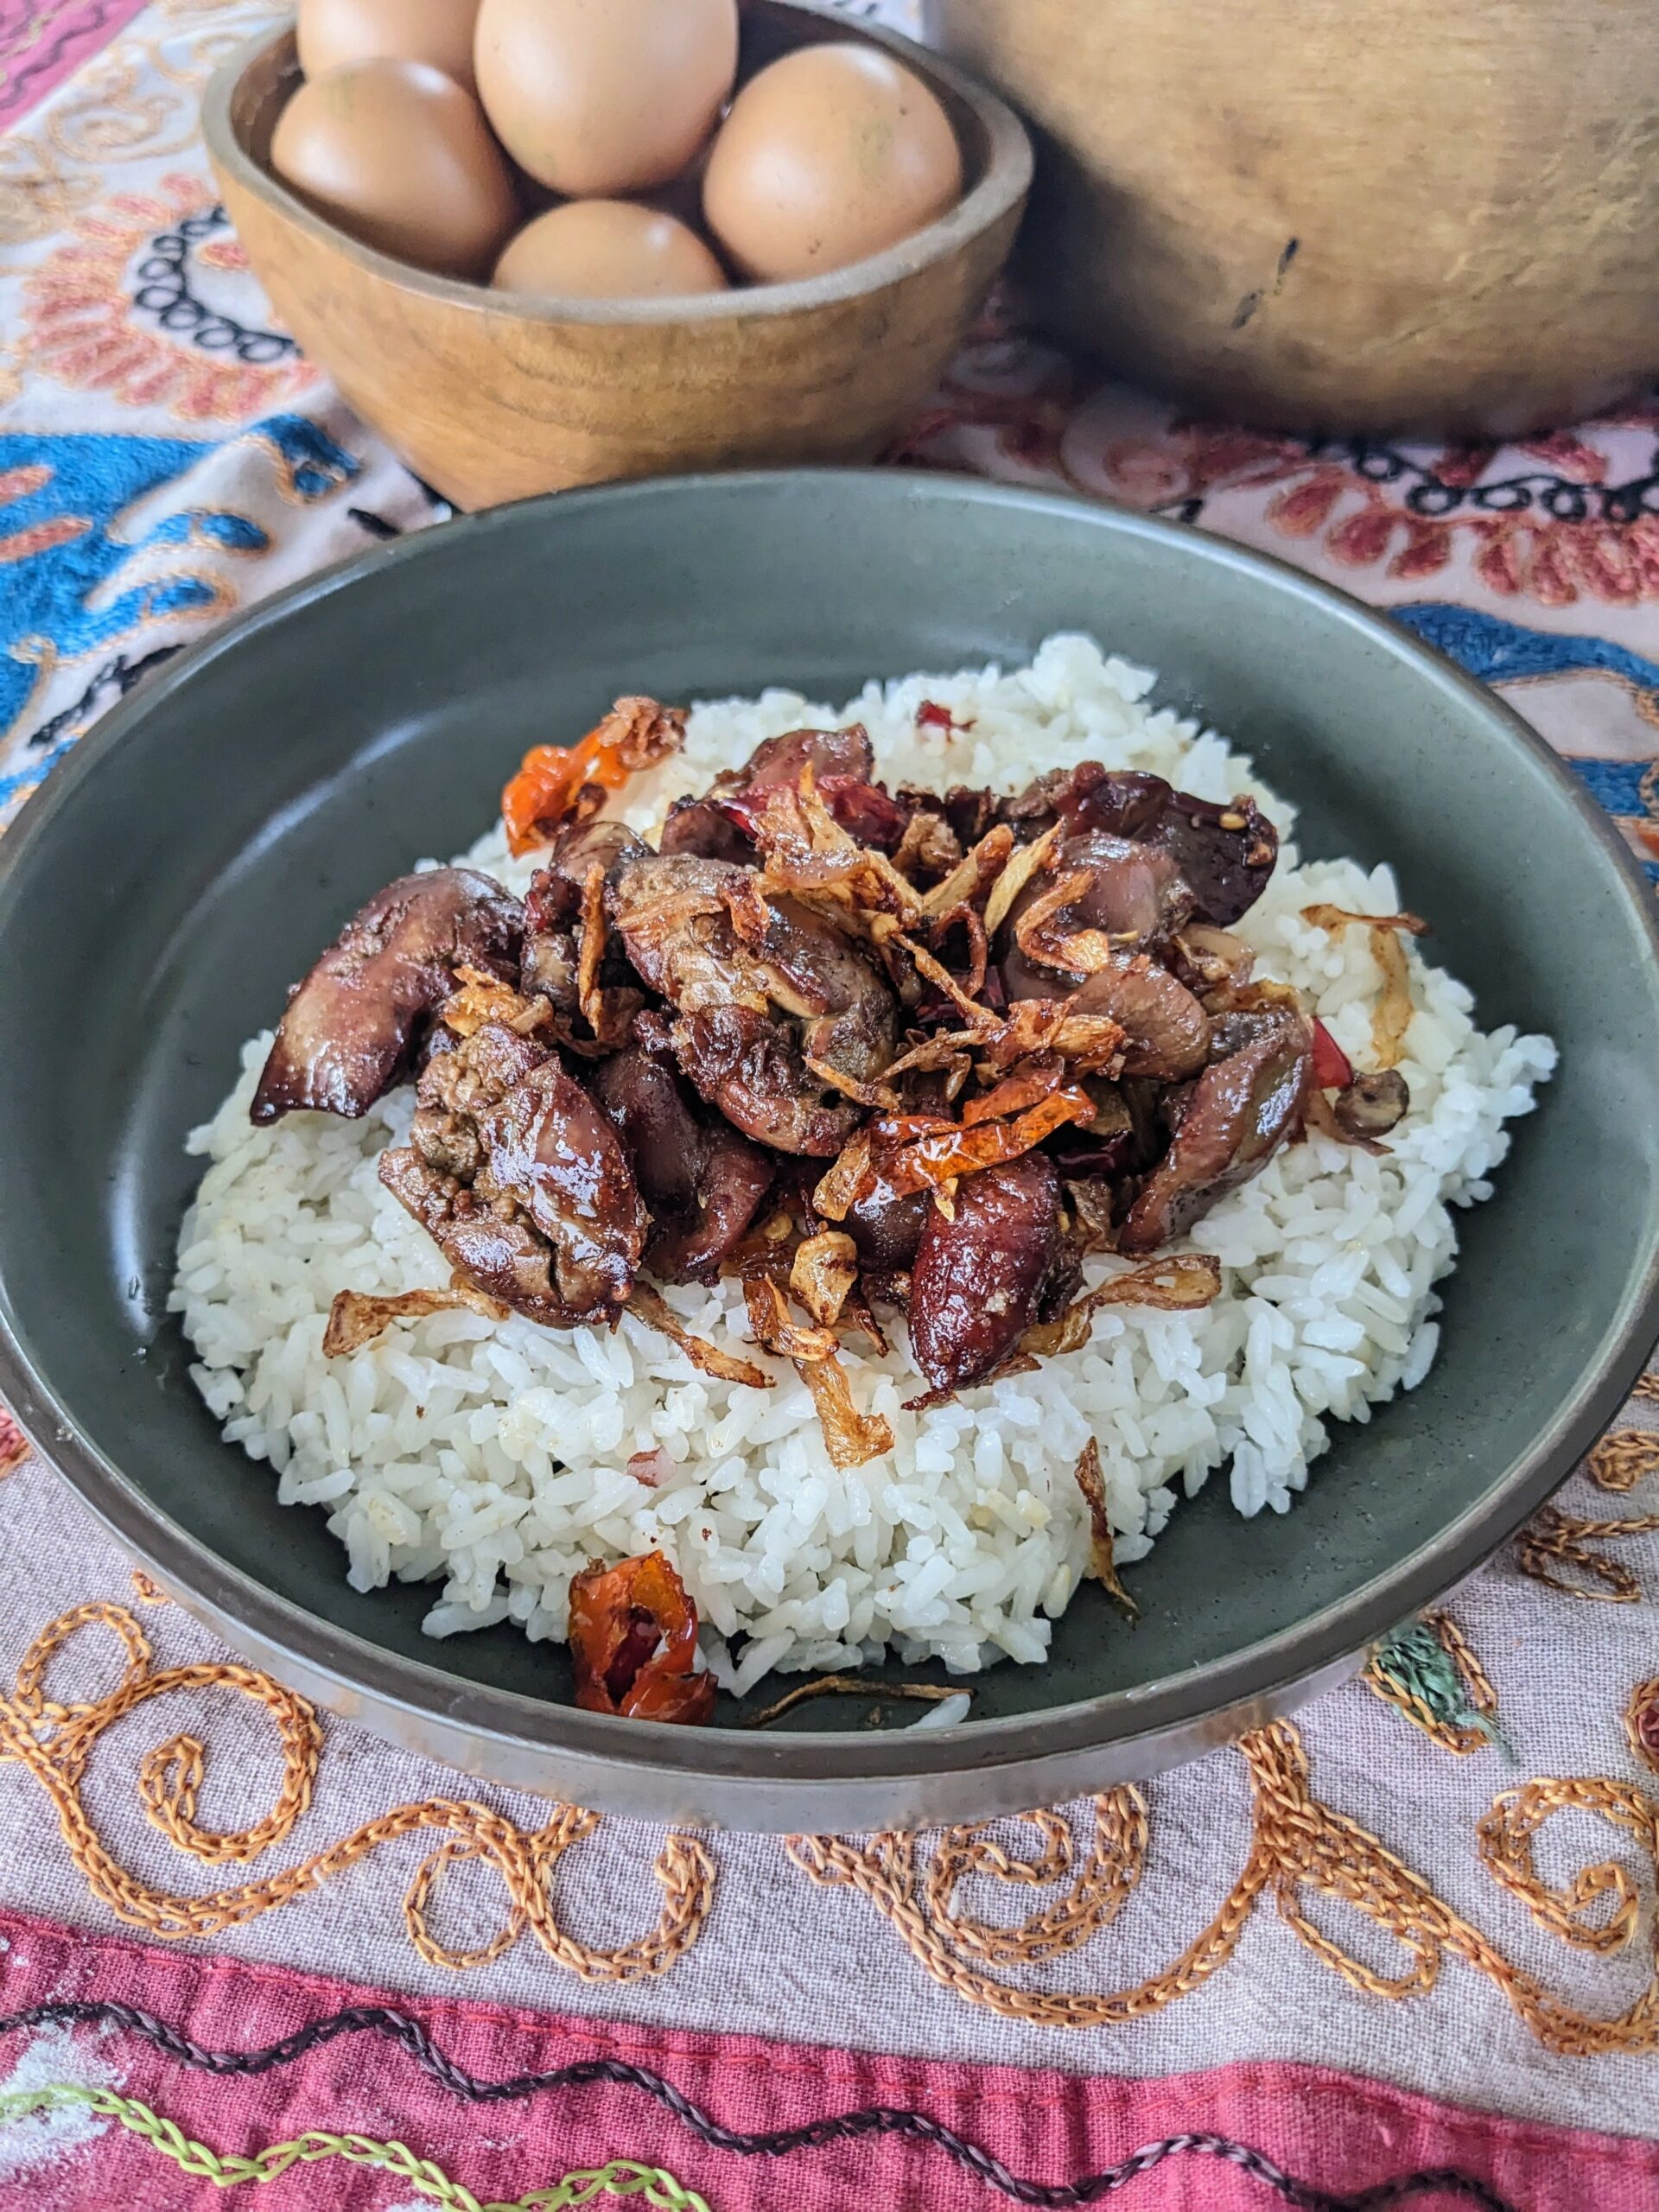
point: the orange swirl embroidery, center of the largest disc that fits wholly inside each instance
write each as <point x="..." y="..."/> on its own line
<point x="14" y="1445"/>
<point x="1300" y="1846"/>
<point x="54" y="1742"/>
<point x="1553" y="1543"/>
<point x="1300" y="1849"/>
<point x="1623" y="1458"/>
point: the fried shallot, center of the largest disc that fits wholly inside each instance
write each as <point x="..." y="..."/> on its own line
<point x="1102" y="1558"/>
<point x="851" y="1438"/>
<point x="357" y="1316"/>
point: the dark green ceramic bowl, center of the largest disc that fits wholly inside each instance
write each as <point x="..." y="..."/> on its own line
<point x="186" y="862"/>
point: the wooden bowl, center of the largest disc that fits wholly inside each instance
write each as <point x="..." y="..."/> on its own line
<point x="490" y="396"/>
<point x="1374" y="215"/>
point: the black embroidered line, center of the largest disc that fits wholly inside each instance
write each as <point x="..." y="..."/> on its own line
<point x="1433" y="498"/>
<point x="164" y="290"/>
<point x="1431" y="495"/>
<point x="121" y="674"/>
<point x="376" y="526"/>
<point x="875" y="2119"/>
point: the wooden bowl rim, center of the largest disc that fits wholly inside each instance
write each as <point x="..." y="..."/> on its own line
<point x="1006" y="182"/>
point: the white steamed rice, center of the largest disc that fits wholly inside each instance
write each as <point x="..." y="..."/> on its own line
<point x="493" y="1458"/>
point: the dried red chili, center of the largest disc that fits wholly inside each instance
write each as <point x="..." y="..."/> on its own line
<point x="636" y="733"/>
<point x="1332" y="1069"/>
<point x="932" y="715"/>
<point x="935" y="1160"/>
<point x="633" y="1644"/>
<point x="1036" y="1080"/>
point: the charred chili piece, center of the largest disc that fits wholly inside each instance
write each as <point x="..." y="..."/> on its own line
<point x="633" y="1644"/>
<point x="352" y="1025"/>
<point x="557" y="783"/>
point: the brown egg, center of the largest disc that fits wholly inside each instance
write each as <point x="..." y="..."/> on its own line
<point x="607" y="250"/>
<point x="435" y="31"/>
<point x="829" y="155"/>
<point x="599" y="96"/>
<point x="398" y="155"/>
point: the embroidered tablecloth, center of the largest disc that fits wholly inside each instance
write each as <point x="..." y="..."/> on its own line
<point x="1405" y="1945"/>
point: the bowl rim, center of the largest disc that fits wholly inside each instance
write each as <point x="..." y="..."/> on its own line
<point x="1000" y="191"/>
<point x="1183" y="1709"/>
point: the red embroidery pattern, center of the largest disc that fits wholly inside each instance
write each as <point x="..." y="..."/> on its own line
<point x="14" y="1444"/>
<point x="79" y="326"/>
<point x="1556" y="519"/>
<point x="1641" y="1722"/>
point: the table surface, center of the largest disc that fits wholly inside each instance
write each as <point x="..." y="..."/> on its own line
<point x="1414" y="1932"/>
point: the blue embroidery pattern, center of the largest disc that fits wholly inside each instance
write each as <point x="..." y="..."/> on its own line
<point x="1626" y="789"/>
<point x="62" y="549"/>
<point x="63" y="498"/>
<point x="310" y="465"/>
<point x="35" y="773"/>
<point x="1504" y="652"/>
<point x="1622" y="786"/>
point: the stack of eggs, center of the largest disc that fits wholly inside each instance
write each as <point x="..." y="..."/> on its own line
<point x="434" y="129"/>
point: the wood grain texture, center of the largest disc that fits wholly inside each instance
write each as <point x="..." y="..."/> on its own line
<point x="492" y="397"/>
<point x="1366" y="214"/>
